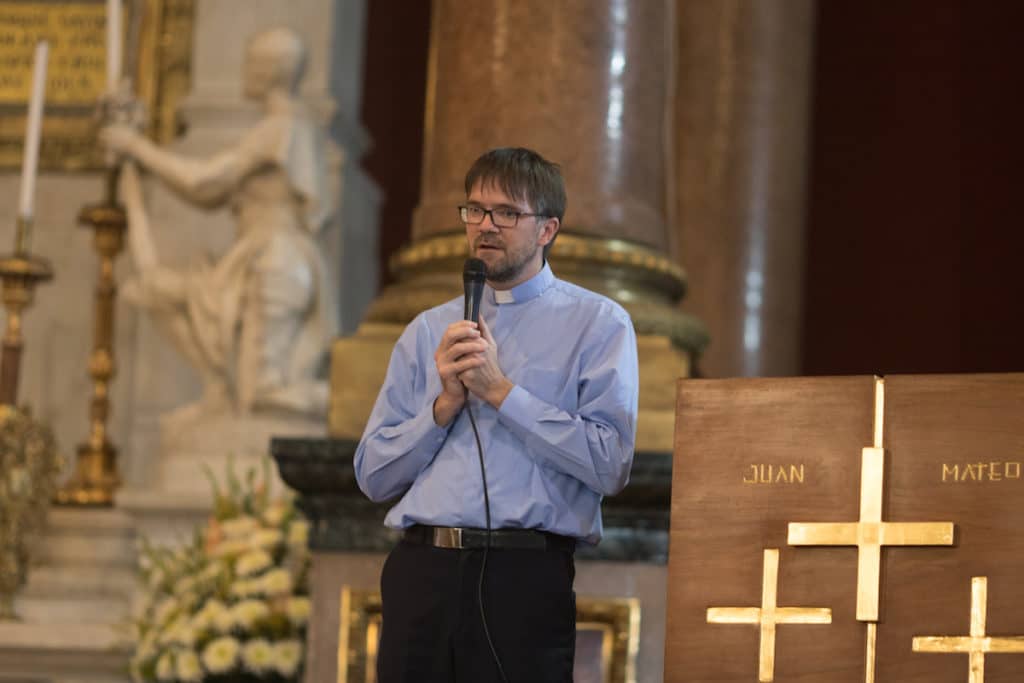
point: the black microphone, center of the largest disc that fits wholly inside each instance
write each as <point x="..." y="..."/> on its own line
<point x="474" y="272"/>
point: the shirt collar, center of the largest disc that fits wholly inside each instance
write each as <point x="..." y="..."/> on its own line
<point x="524" y="291"/>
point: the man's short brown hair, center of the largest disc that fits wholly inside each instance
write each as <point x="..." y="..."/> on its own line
<point x="523" y="175"/>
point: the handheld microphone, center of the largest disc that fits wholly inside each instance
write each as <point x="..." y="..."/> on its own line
<point x="474" y="272"/>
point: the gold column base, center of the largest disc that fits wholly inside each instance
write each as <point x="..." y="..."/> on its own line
<point x="95" y="479"/>
<point x="644" y="282"/>
<point x="7" y="611"/>
<point x="358" y="366"/>
<point x="661" y="364"/>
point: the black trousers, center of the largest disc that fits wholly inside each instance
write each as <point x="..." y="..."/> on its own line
<point x="432" y="631"/>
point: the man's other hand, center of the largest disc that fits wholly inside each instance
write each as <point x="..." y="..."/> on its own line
<point x="485" y="378"/>
<point x="460" y="350"/>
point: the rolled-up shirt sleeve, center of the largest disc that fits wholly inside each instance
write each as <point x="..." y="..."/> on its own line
<point x="594" y="443"/>
<point x="401" y="437"/>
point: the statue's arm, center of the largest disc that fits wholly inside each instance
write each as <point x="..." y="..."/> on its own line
<point x="205" y="181"/>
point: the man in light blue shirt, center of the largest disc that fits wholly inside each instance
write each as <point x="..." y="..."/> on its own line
<point x="550" y="375"/>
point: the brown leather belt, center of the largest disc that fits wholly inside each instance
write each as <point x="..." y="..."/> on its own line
<point x="466" y="538"/>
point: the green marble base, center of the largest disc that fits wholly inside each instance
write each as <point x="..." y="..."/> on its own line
<point x="344" y="520"/>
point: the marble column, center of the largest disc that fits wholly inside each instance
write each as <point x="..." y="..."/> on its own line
<point x="586" y="84"/>
<point x="742" y="116"/>
<point x="583" y="82"/>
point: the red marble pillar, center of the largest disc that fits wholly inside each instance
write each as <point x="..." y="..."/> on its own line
<point x="587" y="84"/>
<point x="584" y="82"/>
<point x="742" y="119"/>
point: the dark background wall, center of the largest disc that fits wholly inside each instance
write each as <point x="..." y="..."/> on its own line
<point x="394" y="92"/>
<point x="914" y="243"/>
<point x="915" y="248"/>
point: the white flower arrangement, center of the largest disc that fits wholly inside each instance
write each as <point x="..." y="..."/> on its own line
<point x="187" y="667"/>
<point x="233" y="604"/>
<point x="258" y="656"/>
<point x="288" y="657"/>
<point x="253" y="562"/>
<point x="221" y="655"/>
<point x="298" y="610"/>
<point x="266" y="538"/>
<point x="277" y="582"/>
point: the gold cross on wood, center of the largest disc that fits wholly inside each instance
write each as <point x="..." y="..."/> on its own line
<point x="768" y="615"/>
<point x="871" y="533"/>
<point x="977" y="644"/>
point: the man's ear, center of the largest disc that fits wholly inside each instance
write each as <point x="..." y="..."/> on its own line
<point x="548" y="230"/>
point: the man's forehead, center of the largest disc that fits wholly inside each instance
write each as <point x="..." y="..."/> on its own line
<point x="490" y="190"/>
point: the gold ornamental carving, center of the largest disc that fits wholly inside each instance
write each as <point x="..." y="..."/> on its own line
<point x="978" y="643"/>
<point x="644" y="281"/>
<point x="613" y="623"/>
<point x="160" y="71"/>
<point x="769" y="615"/>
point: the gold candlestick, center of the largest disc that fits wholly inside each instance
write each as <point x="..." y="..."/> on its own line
<point x="96" y="476"/>
<point x="31" y="466"/>
<point x="21" y="272"/>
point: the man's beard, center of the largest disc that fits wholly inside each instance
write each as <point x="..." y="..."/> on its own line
<point x="511" y="266"/>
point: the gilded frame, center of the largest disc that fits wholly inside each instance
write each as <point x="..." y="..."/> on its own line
<point x="616" y="621"/>
<point x="162" y="75"/>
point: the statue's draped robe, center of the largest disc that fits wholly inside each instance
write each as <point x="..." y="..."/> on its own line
<point x="263" y="315"/>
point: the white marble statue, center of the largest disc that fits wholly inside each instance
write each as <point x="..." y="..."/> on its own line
<point x="256" y="324"/>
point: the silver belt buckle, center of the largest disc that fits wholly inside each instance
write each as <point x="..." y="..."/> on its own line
<point x="448" y="537"/>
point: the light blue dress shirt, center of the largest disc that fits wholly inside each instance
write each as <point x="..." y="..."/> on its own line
<point x="562" y="439"/>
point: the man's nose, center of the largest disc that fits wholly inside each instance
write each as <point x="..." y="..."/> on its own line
<point x="487" y="223"/>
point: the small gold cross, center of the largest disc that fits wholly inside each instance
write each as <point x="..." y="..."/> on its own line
<point x="768" y="615"/>
<point x="977" y="644"/>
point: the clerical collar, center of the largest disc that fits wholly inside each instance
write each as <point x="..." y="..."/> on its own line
<point x="524" y="291"/>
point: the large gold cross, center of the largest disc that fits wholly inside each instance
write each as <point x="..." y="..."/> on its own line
<point x="871" y="533"/>
<point x="768" y="615"/>
<point x="977" y="644"/>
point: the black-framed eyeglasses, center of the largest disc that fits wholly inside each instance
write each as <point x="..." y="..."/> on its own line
<point x="501" y="217"/>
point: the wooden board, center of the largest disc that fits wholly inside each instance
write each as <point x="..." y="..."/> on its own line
<point x="753" y="456"/>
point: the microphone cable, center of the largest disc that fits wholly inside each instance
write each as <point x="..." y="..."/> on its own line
<point x="474" y="275"/>
<point x="487" y="545"/>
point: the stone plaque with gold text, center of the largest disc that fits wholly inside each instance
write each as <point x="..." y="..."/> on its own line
<point x="76" y="76"/>
<point x="848" y="530"/>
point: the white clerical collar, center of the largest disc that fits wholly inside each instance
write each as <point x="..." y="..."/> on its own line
<point x="504" y="296"/>
<point x="525" y="290"/>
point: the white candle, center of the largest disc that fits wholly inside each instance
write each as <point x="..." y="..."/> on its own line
<point x="32" y="130"/>
<point x="113" y="45"/>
